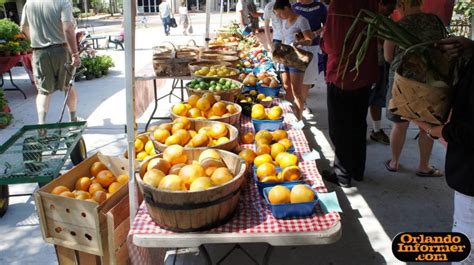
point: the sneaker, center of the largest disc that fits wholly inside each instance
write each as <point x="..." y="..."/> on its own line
<point x="380" y="137"/>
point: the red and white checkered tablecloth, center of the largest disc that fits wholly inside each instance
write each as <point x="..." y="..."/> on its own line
<point x="253" y="216"/>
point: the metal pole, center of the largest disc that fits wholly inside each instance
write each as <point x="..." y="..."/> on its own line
<point x="228" y="6"/>
<point x="129" y="24"/>
<point x="208" y="20"/>
<point x="222" y="11"/>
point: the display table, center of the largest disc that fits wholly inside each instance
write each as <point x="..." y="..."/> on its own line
<point x="253" y="222"/>
<point x="146" y="92"/>
<point x="8" y="62"/>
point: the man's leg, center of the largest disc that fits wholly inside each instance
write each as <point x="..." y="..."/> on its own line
<point x="72" y="104"/>
<point x="164" y="25"/>
<point x="376" y="115"/>
<point x="42" y="106"/>
<point x="358" y="144"/>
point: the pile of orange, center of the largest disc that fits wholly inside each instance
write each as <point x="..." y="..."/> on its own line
<point x="260" y="113"/>
<point x="96" y="187"/>
<point x="267" y="171"/>
<point x="299" y="194"/>
<point x="143" y="147"/>
<point x="174" y="172"/>
<point x="179" y="132"/>
<point x="204" y="107"/>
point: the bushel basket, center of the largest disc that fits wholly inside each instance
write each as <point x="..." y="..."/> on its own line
<point x="186" y="211"/>
<point x="420" y="101"/>
<point x="172" y="62"/>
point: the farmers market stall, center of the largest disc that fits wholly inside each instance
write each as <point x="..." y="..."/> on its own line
<point x="8" y="62"/>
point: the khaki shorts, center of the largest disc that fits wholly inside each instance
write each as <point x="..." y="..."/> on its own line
<point x="48" y="69"/>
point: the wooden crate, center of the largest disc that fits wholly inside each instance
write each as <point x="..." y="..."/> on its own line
<point x="83" y="227"/>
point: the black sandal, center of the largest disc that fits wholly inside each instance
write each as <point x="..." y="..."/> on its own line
<point x="433" y="173"/>
<point x="388" y="167"/>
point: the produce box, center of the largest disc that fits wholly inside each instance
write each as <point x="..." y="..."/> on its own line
<point x="287" y="210"/>
<point x="88" y="227"/>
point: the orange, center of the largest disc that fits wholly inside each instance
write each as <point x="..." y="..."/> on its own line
<point x="194" y="113"/>
<point x="258" y="106"/>
<point x="149" y="147"/>
<point x="142" y="155"/>
<point x="248" y="155"/>
<point x="263" y="149"/>
<point x="183" y="135"/>
<point x="219" y="108"/>
<point x="200" y="140"/>
<point x="201" y="183"/>
<point x="264" y="135"/>
<point x="175" y="154"/>
<point x="261" y="159"/>
<point x="179" y="109"/>
<point x="263" y="141"/>
<point x="269" y="179"/>
<point x="209" y="153"/>
<point x="115" y="186"/>
<point x="59" y="189"/>
<point x="105" y="178"/>
<point x="161" y="135"/>
<point x="301" y="193"/>
<point x="160" y="164"/>
<point x="221" y="176"/>
<point x="82" y="195"/>
<point x="222" y="140"/>
<point x="259" y="114"/>
<point x="218" y="130"/>
<point x="96" y="168"/>
<point x="286" y="142"/>
<point x="172" y="183"/>
<point x="153" y="177"/>
<point x="279" y="195"/>
<point x="288" y="160"/>
<point x="247" y="138"/>
<point x="143" y="138"/>
<point x="226" y="115"/>
<point x="192" y="100"/>
<point x="209" y="170"/>
<point x="67" y="194"/>
<point x="94" y="187"/>
<point x="167" y="126"/>
<point x="174" y="170"/>
<point x="279" y="134"/>
<point x="291" y="173"/>
<point x="276" y="149"/>
<point x="176" y="126"/>
<point x="210" y="97"/>
<point x="280" y="156"/>
<point x="99" y="196"/>
<point x="266" y="169"/>
<point x="83" y="183"/>
<point x="231" y="108"/>
<point x="185" y="121"/>
<point x="189" y="173"/>
<point x="203" y="104"/>
<point x="173" y="139"/>
<point x="122" y="179"/>
<point x="275" y="113"/>
<point x="91" y="200"/>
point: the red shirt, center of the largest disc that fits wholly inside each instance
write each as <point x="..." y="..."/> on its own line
<point x="442" y="8"/>
<point x="335" y="31"/>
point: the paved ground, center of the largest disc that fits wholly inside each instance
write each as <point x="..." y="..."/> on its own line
<point x="375" y="210"/>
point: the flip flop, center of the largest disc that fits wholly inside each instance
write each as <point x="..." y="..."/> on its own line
<point x="388" y="167"/>
<point x="434" y="172"/>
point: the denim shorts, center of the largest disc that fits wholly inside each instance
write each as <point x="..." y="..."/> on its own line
<point x="292" y="70"/>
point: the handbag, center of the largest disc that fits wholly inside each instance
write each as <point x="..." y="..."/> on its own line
<point x="173" y="23"/>
<point x="292" y="56"/>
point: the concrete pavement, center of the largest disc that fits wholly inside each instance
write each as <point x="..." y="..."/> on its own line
<point x="375" y="210"/>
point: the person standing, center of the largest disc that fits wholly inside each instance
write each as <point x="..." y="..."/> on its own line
<point x="459" y="134"/>
<point x="184" y="17"/>
<point x="427" y="27"/>
<point x="270" y="16"/>
<point x="348" y="97"/>
<point x="165" y="15"/>
<point x="49" y="24"/>
<point x="247" y="15"/>
<point x="378" y="94"/>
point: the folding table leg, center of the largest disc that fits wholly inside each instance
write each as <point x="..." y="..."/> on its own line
<point x="205" y="254"/>
<point x="234" y="248"/>
<point x="268" y="253"/>
<point x="16" y="88"/>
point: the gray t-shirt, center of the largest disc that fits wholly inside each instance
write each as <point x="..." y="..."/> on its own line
<point x="289" y="31"/>
<point x="276" y="21"/>
<point x="45" y="19"/>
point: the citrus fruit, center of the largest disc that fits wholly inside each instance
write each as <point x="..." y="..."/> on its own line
<point x="83" y="183"/>
<point x="222" y="140"/>
<point x="142" y="155"/>
<point x="96" y="168"/>
<point x="160" y="164"/>
<point x="99" y="196"/>
<point x="161" y="135"/>
<point x="209" y="171"/>
<point x="139" y="145"/>
<point x="149" y="147"/>
<point x="219" y="108"/>
<point x="203" y="104"/>
<point x="67" y="194"/>
<point x="247" y="138"/>
<point x="166" y="126"/>
<point x="183" y="136"/>
<point x="172" y="183"/>
<point x="275" y="113"/>
<point x="221" y="176"/>
<point x="115" y="186"/>
<point x="291" y="173"/>
<point x="279" y="195"/>
<point x="59" y="189"/>
<point x="261" y="159"/>
<point x="231" y="109"/>
<point x="248" y="155"/>
<point x="194" y="113"/>
<point x="301" y="193"/>
<point x="259" y="114"/>
<point x="105" y="178"/>
<point x="279" y="134"/>
<point x="266" y="169"/>
<point x="201" y="183"/>
<point x="122" y="179"/>
<point x="276" y="149"/>
<point x="172" y="140"/>
<point x="286" y="142"/>
<point x="177" y="126"/>
<point x="94" y="187"/>
<point x="263" y="149"/>
<point x="185" y="121"/>
<point x="82" y="195"/>
<point x="280" y="156"/>
<point x="175" y="154"/>
<point x="174" y="170"/>
<point x="288" y="160"/>
<point x="192" y="100"/>
<point x="179" y="109"/>
<point x="200" y="140"/>
<point x="153" y="177"/>
<point x="189" y="173"/>
<point x="218" y="130"/>
<point x="269" y="179"/>
<point x="264" y="135"/>
<point x="209" y="153"/>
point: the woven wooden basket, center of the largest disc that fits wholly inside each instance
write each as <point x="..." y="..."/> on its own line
<point x="234" y="77"/>
<point x="194" y="66"/>
<point x="224" y="50"/>
<point x="419" y="101"/>
<point x="227" y="95"/>
<point x="233" y="119"/>
<point x="171" y="61"/>
<point x="234" y="60"/>
<point x="196" y="125"/>
<point x="195" y="211"/>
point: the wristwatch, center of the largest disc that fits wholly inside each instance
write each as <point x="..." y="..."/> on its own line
<point x="428" y="132"/>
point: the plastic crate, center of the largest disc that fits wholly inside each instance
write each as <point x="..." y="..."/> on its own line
<point x="262" y="185"/>
<point x="269" y="91"/>
<point x="281" y="211"/>
<point x="269" y="125"/>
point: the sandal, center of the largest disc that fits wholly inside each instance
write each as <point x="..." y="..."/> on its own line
<point x="388" y="167"/>
<point x="434" y="172"/>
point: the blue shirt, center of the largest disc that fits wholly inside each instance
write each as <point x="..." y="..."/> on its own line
<point x="315" y="13"/>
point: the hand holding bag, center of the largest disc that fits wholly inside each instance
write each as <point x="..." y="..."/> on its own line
<point x="173" y="23"/>
<point x="292" y="56"/>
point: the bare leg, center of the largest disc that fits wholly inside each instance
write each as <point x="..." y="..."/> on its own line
<point x="397" y="140"/>
<point x="42" y="106"/>
<point x="298" y="91"/>
<point x="72" y="104"/>
<point x="285" y="78"/>
<point x="426" y="146"/>
<point x="376" y="114"/>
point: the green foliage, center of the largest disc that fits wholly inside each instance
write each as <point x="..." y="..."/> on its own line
<point x="11" y="38"/>
<point x="97" y="65"/>
<point x="464" y="8"/>
<point x="3" y="100"/>
<point x="462" y="14"/>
